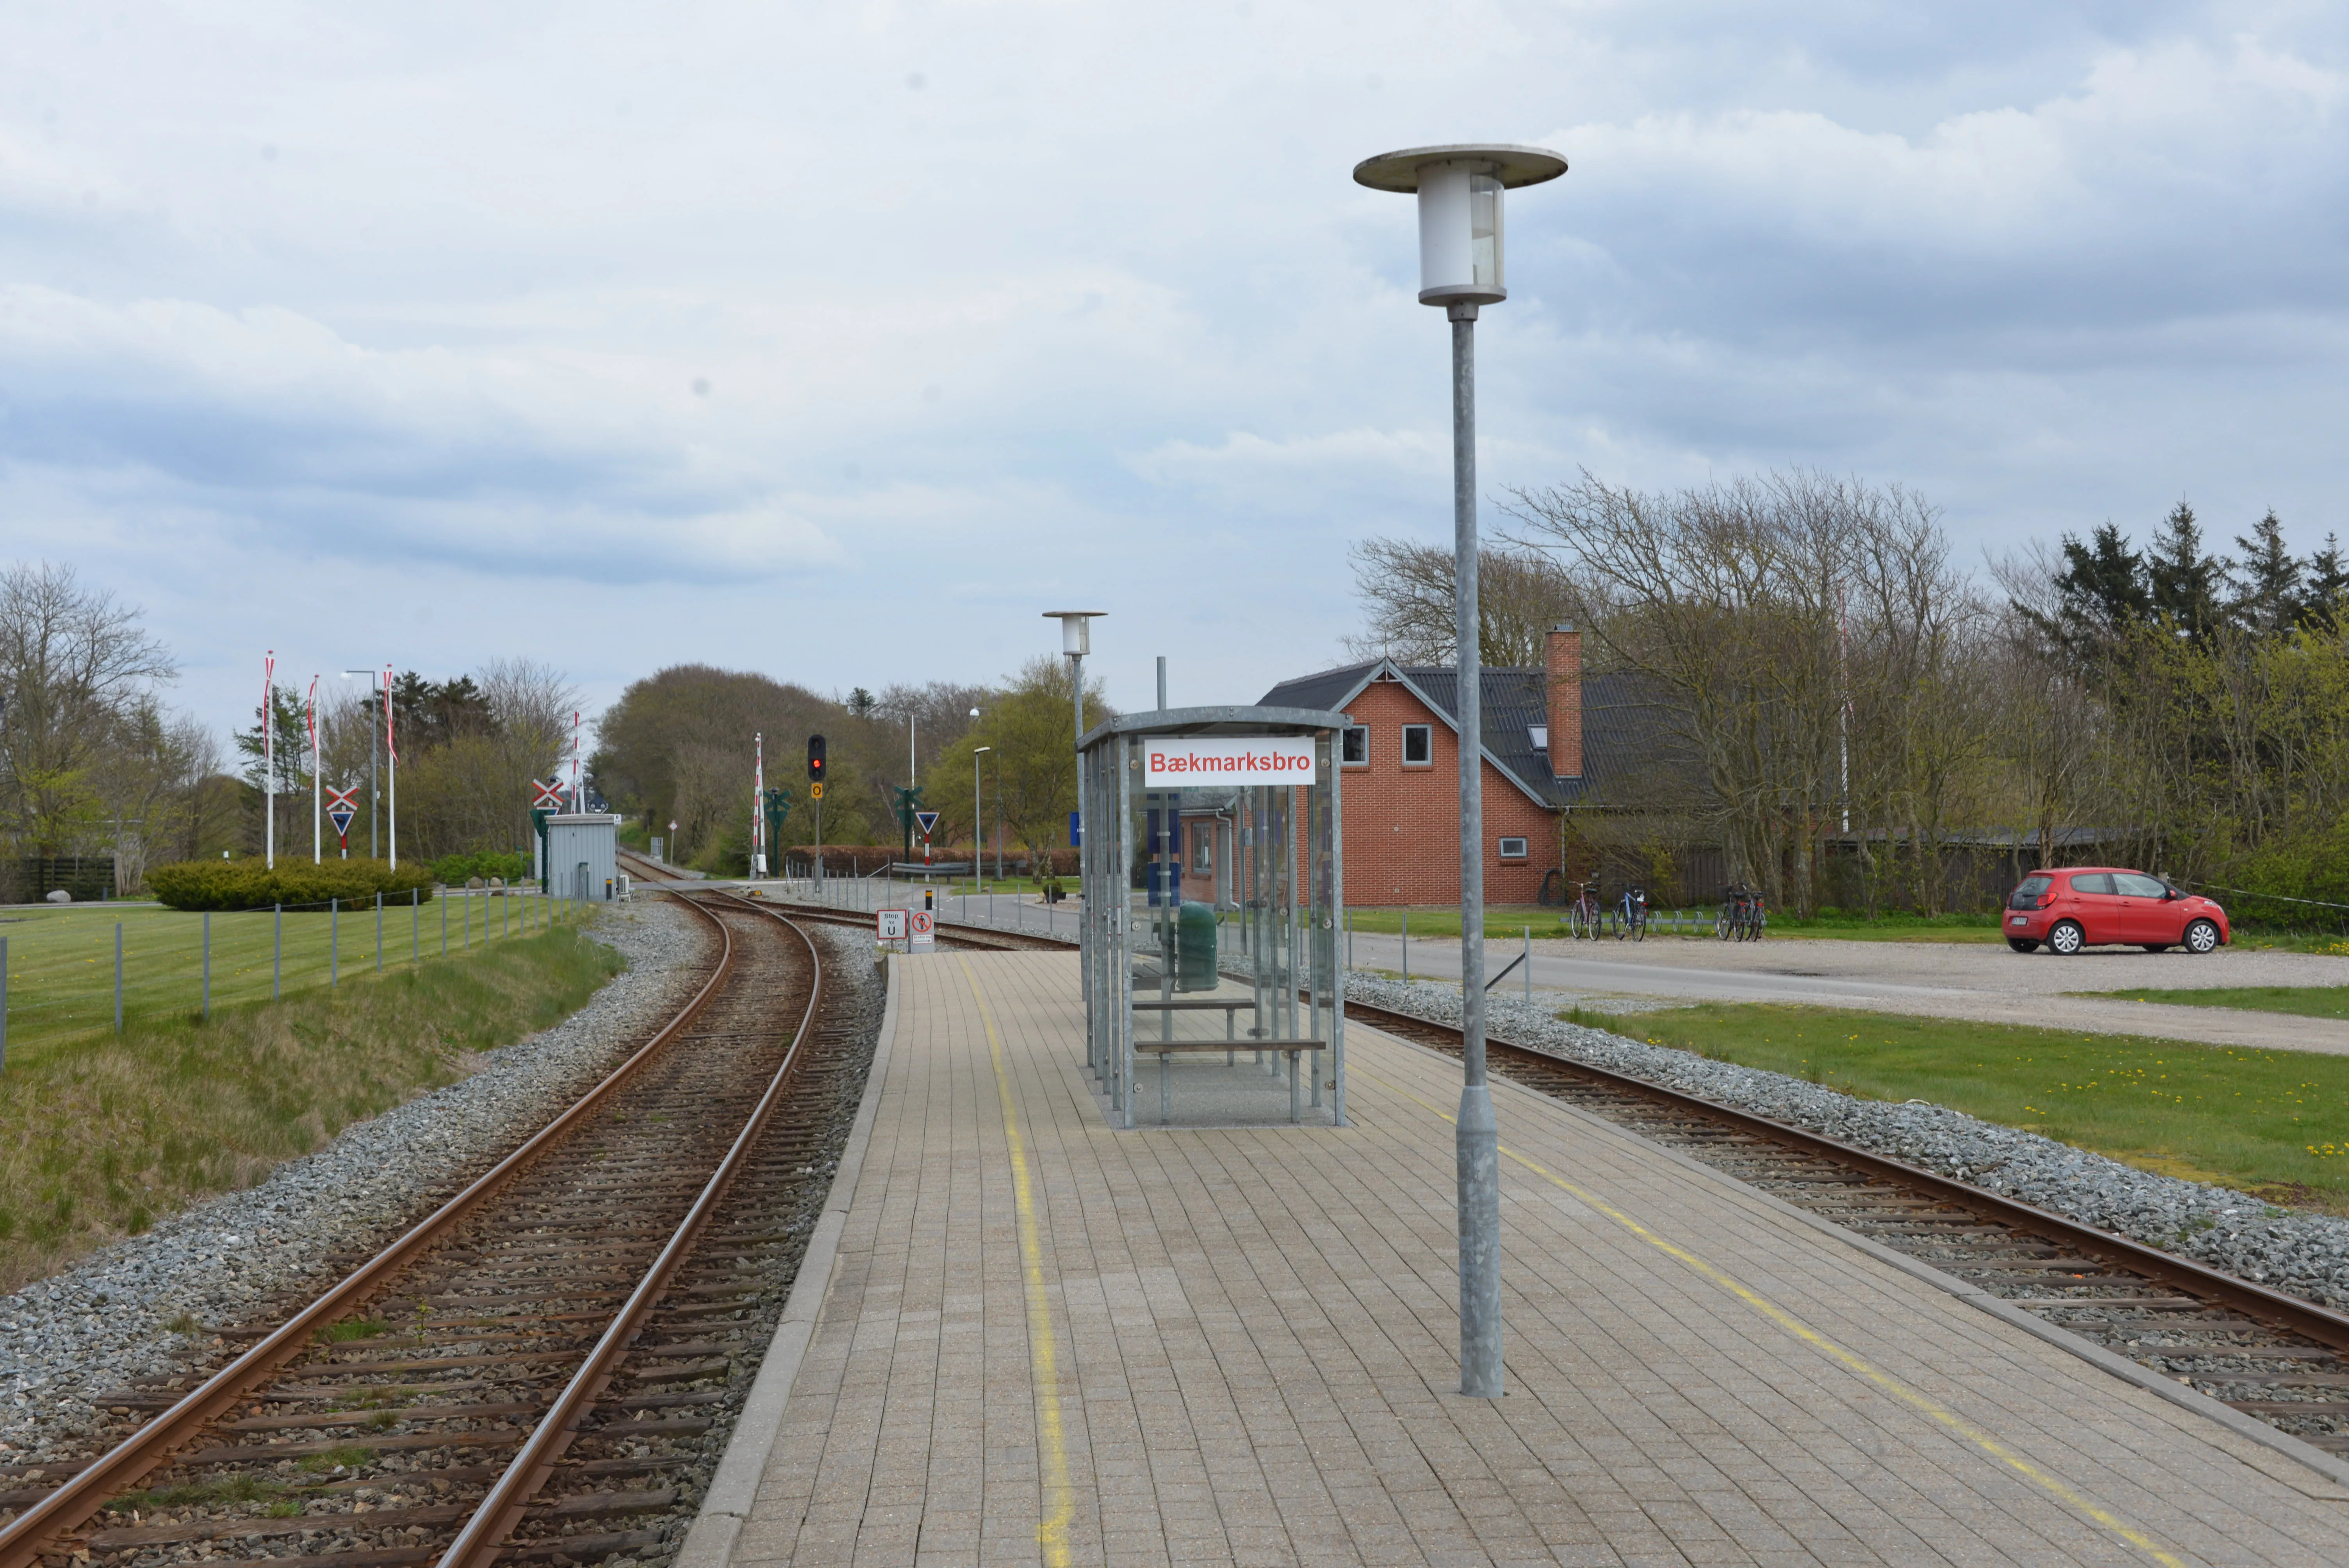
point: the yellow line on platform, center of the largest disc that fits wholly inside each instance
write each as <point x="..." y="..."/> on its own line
<point x="1060" y="1496"/>
<point x="1915" y="1398"/>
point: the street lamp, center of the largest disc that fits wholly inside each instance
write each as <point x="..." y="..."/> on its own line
<point x="1076" y="642"/>
<point x="374" y="747"/>
<point x="1459" y="190"/>
<point x="977" y="833"/>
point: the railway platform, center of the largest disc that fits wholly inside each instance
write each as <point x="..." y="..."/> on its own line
<point x="1025" y="1336"/>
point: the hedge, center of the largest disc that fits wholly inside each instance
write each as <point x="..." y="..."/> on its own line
<point x="455" y="871"/>
<point x="248" y="884"/>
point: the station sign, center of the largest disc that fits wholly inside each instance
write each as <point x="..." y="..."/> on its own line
<point x="924" y="928"/>
<point x="889" y="924"/>
<point x="1177" y="761"/>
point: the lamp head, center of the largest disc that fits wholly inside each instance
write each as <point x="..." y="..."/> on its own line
<point x="1076" y="629"/>
<point x="1459" y="188"/>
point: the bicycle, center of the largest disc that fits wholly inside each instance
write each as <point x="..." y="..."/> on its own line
<point x="1740" y="919"/>
<point x="1631" y="915"/>
<point x="1582" y="916"/>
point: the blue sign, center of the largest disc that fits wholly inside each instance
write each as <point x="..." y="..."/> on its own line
<point x="1076" y="830"/>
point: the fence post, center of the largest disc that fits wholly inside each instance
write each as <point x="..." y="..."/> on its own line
<point x="333" y="943"/>
<point x="117" y="977"/>
<point x="468" y="946"/>
<point x="4" y="1003"/>
<point x="415" y="925"/>
<point x="277" y="949"/>
<point x="1406" y="946"/>
<point x="444" y="925"/>
<point x="378" y="933"/>
<point x="208" y="964"/>
<point x="1530" y="964"/>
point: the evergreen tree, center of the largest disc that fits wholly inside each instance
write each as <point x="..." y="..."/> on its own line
<point x="2183" y="582"/>
<point x="2326" y="584"/>
<point x="2268" y="585"/>
<point x="2101" y="591"/>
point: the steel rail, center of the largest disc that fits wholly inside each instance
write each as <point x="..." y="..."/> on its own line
<point x="24" y="1539"/>
<point x="2255" y="1301"/>
<point x="479" y="1543"/>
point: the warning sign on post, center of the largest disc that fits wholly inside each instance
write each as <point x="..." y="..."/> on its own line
<point x="889" y="924"/>
<point x="924" y="928"/>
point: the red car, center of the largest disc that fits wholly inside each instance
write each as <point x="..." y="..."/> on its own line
<point x="2079" y="905"/>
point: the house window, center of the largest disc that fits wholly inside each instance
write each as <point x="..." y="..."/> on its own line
<point x="1540" y="733"/>
<point x="1512" y="848"/>
<point x="1355" y="746"/>
<point x="1418" y="746"/>
<point x="1202" y="847"/>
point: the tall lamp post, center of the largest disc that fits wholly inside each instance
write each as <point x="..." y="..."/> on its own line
<point x="375" y="748"/>
<point x="1459" y="190"/>
<point x="1076" y="642"/>
<point x="977" y="830"/>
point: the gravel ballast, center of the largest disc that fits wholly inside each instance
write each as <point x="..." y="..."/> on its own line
<point x="2306" y="1255"/>
<point x="105" y="1322"/>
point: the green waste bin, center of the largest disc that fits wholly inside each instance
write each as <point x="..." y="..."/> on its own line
<point x="1195" y="948"/>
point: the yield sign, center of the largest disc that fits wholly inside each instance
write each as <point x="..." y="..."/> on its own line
<point x="549" y="793"/>
<point x="928" y="820"/>
<point x="341" y="818"/>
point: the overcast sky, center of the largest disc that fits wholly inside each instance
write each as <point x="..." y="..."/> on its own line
<point x="838" y="341"/>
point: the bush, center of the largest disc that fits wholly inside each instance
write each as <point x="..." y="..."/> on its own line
<point x="248" y="884"/>
<point x="455" y="871"/>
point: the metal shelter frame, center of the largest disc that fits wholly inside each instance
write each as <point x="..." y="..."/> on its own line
<point x="1211" y="920"/>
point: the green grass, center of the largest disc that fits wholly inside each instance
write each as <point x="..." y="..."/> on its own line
<point x="102" y="1134"/>
<point x="2307" y="1001"/>
<point x="61" y="961"/>
<point x="2272" y="1122"/>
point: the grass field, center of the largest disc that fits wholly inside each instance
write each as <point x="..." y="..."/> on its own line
<point x="2307" y="1001"/>
<point x="2273" y="1123"/>
<point x="100" y="1136"/>
<point x="61" y="961"/>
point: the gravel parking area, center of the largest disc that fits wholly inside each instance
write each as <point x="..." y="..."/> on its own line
<point x="109" y="1320"/>
<point x="1982" y="982"/>
<point x="2306" y="1254"/>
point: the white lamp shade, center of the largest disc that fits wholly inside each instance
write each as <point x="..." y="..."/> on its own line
<point x="1460" y="234"/>
<point x="1076" y="629"/>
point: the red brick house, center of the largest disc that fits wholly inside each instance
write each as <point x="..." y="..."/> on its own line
<point x="1399" y="781"/>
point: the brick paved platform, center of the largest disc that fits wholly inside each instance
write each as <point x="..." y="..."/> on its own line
<point x="1045" y="1341"/>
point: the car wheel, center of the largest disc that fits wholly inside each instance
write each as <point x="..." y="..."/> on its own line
<point x="2023" y="944"/>
<point x="2066" y="939"/>
<point x="2202" y="937"/>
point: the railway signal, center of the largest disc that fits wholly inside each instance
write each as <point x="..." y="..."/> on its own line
<point x="815" y="793"/>
<point x="815" y="758"/>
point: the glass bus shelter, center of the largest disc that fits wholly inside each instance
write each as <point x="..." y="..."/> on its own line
<point x="1212" y="887"/>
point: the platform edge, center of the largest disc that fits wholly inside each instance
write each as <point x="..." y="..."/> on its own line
<point x="734" y="1486"/>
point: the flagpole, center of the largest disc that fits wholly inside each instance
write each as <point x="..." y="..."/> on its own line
<point x="318" y="839"/>
<point x="391" y="750"/>
<point x="579" y="802"/>
<point x="758" y="799"/>
<point x="269" y="760"/>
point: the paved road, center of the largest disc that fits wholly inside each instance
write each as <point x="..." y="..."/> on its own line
<point x="1946" y="979"/>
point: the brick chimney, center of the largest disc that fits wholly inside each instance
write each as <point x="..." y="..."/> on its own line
<point x="1563" y="658"/>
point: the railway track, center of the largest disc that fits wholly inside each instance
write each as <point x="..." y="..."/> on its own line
<point x="2266" y="1355"/>
<point x="540" y="1371"/>
<point x="651" y="873"/>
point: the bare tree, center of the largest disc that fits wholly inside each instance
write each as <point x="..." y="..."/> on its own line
<point x="75" y="667"/>
<point x="1407" y="588"/>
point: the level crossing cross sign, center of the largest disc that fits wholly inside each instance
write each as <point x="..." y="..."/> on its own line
<point x="549" y="794"/>
<point x="342" y="813"/>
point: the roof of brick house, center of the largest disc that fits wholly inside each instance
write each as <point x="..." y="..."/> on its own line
<point x="1626" y="739"/>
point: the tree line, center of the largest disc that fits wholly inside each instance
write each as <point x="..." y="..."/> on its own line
<point x="1852" y="718"/>
<point x="679" y="747"/>
<point x="94" y="762"/>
